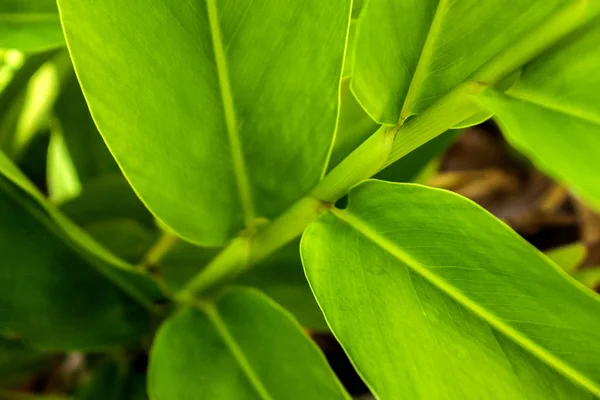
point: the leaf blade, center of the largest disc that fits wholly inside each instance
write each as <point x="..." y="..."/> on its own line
<point x="236" y="356"/>
<point x="268" y="62"/>
<point x="432" y="309"/>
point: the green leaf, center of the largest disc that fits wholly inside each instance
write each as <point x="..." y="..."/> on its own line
<point x="62" y="179"/>
<point x="60" y="289"/>
<point x="556" y="122"/>
<point x="107" y="197"/>
<point x="221" y="128"/>
<point x="125" y="238"/>
<point x="569" y="257"/>
<point x="590" y="277"/>
<point x="430" y="47"/>
<point x="30" y="25"/>
<point x="354" y="126"/>
<point x="12" y="99"/>
<point x="442" y="300"/>
<point x="90" y="155"/>
<point x="244" y="346"/>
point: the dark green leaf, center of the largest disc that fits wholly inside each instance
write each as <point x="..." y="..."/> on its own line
<point x="61" y="290"/>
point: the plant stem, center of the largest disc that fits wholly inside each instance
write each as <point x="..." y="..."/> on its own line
<point x="160" y="248"/>
<point x="387" y="145"/>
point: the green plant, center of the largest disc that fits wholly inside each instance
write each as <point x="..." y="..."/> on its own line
<point x="240" y="125"/>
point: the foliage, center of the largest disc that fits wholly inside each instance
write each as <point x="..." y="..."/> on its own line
<point x="188" y="145"/>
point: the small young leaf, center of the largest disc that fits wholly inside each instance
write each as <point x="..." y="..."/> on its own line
<point x="442" y="300"/>
<point x="244" y="346"/>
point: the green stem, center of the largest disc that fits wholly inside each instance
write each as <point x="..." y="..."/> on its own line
<point x="387" y="145"/>
<point x="155" y="254"/>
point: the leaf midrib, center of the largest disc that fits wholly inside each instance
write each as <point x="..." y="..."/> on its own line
<point x="213" y="316"/>
<point x="523" y="341"/>
<point x="237" y="156"/>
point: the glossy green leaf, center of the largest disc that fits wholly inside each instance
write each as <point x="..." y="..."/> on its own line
<point x="565" y="146"/>
<point x="212" y="132"/>
<point x="29" y="25"/>
<point x="434" y="298"/>
<point x="60" y="289"/>
<point x="244" y="346"/>
<point x="553" y="114"/>
<point x="430" y="47"/>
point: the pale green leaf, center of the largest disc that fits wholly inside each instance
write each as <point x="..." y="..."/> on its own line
<point x="434" y="298"/>
<point x="62" y="179"/>
<point x="568" y="257"/>
<point x="30" y="25"/>
<point x="243" y="346"/>
<point x="553" y="114"/>
<point x="211" y="117"/>
<point x="431" y="46"/>
<point x="590" y="277"/>
<point x="566" y="147"/>
<point x="12" y="99"/>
